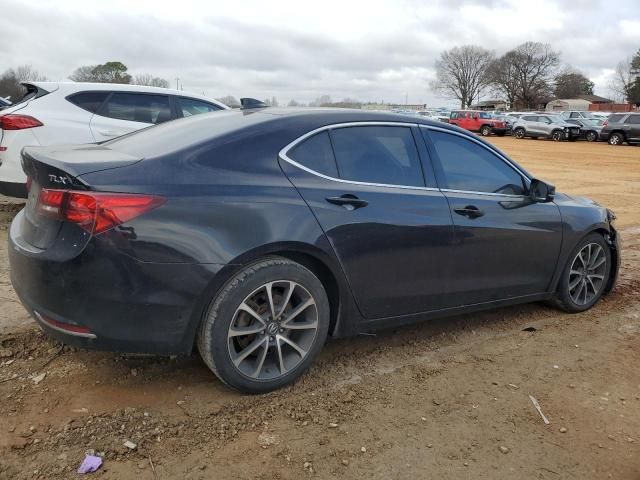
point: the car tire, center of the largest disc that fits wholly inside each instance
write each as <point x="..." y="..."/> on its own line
<point x="591" y="136"/>
<point x="616" y="139"/>
<point x="556" y="135"/>
<point x="282" y="346"/>
<point x="519" y="133"/>
<point x="485" y="130"/>
<point x="573" y="284"/>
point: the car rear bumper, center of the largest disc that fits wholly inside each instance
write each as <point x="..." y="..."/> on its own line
<point x="106" y="299"/>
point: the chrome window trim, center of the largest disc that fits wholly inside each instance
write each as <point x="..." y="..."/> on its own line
<point x="283" y="154"/>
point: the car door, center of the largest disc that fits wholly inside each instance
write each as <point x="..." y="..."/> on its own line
<point x="390" y="228"/>
<point x="467" y="121"/>
<point x="506" y="245"/>
<point x="531" y="125"/>
<point x="633" y="127"/>
<point x="125" y="112"/>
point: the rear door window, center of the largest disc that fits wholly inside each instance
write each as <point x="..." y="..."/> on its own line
<point x="188" y="107"/>
<point x="316" y="154"/>
<point x="377" y="154"/>
<point x="615" y="118"/>
<point x="137" y="107"/>
<point x="634" y="119"/>
<point x="89" y="101"/>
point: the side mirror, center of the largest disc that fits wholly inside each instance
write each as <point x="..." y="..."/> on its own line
<point x="540" y="191"/>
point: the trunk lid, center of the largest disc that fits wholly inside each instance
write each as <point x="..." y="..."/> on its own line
<point x="59" y="168"/>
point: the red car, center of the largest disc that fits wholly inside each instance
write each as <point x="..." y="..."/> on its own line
<point x="478" y="121"/>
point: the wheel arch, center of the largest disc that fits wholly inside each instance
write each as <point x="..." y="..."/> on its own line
<point x="621" y="132"/>
<point x="610" y="237"/>
<point x="324" y="265"/>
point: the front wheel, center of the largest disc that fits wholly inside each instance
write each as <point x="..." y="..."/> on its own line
<point x="591" y="136"/>
<point x="519" y="133"/>
<point x="485" y="131"/>
<point x="266" y="326"/>
<point x="585" y="276"/>
<point x="556" y="135"/>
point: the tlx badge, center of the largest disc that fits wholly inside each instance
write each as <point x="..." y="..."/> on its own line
<point x="59" y="179"/>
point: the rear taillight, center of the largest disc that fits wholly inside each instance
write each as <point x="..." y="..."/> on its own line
<point x="95" y="212"/>
<point x="18" y="122"/>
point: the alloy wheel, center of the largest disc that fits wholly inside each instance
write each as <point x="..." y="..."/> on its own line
<point x="615" y="139"/>
<point x="586" y="276"/>
<point x="519" y="133"/>
<point x="557" y="136"/>
<point x="273" y="330"/>
<point x="592" y="136"/>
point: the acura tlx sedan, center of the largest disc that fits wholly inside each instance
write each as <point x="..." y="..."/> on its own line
<point x="255" y="234"/>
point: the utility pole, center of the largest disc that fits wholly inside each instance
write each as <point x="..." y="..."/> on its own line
<point x="177" y="82"/>
<point x="406" y="99"/>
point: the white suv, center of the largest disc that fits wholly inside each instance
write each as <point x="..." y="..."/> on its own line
<point x="53" y="113"/>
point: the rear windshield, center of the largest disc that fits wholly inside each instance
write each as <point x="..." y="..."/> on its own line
<point x="182" y="133"/>
<point x="615" y="118"/>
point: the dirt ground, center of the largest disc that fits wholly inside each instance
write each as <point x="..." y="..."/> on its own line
<point x="446" y="399"/>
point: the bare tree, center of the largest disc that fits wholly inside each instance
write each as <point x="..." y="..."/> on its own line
<point x="26" y="73"/>
<point x="11" y="78"/>
<point x="463" y="72"/>
<point x="321" y="101"/>
<point x="504" y="78"/>
<point x="150" y="81"/>
<point x="622" y="79"/>
<point x="83" y="74"/>
<point x="533" y="65"/>
<point x="229" y="101"/>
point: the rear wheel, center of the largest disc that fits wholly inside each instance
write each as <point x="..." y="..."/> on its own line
<point x="616" y="139"/>
<point x="591" y="136"/>
<point x="518" y="133"/>
<point x="556" y="135"/>
<point x="485" y="131"/>
<point x="266" y="327"/>
<point x="585" y="276"/>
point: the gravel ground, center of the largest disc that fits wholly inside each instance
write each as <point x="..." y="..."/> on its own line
<point x="444" y="399"/>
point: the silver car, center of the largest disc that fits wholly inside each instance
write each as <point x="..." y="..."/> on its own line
<point x="545" y="126"/>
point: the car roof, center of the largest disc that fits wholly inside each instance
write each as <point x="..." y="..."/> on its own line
<point x="73" y="87"/>
<point x="282" y="124"/>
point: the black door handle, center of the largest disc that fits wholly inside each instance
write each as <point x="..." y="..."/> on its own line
<point x="349" y="201"/>
<point x="470" y="211"/>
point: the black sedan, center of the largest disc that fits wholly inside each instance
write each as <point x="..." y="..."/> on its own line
<point x="255" y="234"/>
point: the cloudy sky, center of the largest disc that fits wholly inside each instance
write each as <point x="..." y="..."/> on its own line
<point x="368" y="50"/>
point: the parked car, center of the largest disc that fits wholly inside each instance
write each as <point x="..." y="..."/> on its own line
<point x="478" y="121"/>
<point x="545" y="126"/>
<point x="4" y="103"/>
<point x="52" y="113"/>
<point x="589" y="128"/>
<point x="254" y="236"/>
<point x="620" y="128"/>
<point x="575" y="114"/>
<point x="509" y="120"/>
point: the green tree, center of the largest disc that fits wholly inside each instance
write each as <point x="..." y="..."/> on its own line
<point x="633" y="92"/>
<point x="572" y="84"/>
<point x="109" y="72"/>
